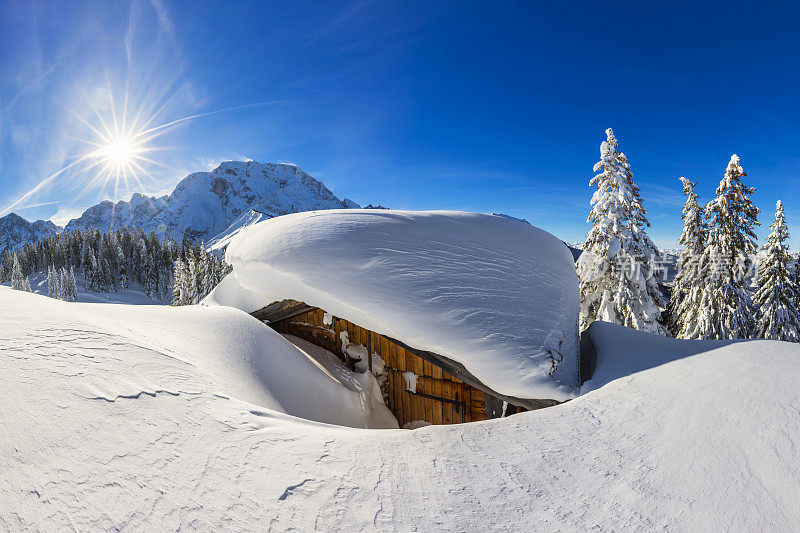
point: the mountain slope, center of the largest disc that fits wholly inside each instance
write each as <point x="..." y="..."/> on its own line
<point x="221" y="241"/>
<point x="16" y="231"/>
<point x="138" y="212"/>
<point x="204" y="204"/>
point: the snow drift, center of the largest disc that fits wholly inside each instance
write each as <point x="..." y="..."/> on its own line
<point x="492" y="293"/>
<point x="147" y="419"/>
<point x="187" y="350"/>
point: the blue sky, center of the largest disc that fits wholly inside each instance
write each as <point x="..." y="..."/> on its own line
<point x="479" y="106"/>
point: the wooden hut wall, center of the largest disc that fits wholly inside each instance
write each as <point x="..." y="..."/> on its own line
<point x="405" y="405"/>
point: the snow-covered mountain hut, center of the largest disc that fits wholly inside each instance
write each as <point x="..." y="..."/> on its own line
<point x="466" y="316"/>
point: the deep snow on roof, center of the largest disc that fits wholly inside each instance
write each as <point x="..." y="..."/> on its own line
<point x="495" y="294"/>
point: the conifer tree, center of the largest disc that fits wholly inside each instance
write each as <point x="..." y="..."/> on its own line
<point x="110" y="261"/>
<point x="190" y="280"/>
<point x="726" y="309"/>
<point x="687" y="285"/>
<point x="615" y="270"/>
<point x="17" y="279"/>
<point x="63" y="283"/>
<point x="177" y="285"/>
<point x="71" y="289"/>
<point x="122" y="268"/>
<point x="53" y="283"/>
<point x="796" y="278"/>
<point x="777" y="314"/>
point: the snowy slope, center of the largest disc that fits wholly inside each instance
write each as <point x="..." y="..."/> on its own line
<point x="221" y="241"/>
<point x="119" y="420"/>
<point x="138" y="212"/>
<point x="16" y="231"/>
<point x="133" y="295"/>
<point x="235" y="356"/>
<point x="204" y="204"/>
<point x="493" y="293"/>
<point x="643" y="352"/>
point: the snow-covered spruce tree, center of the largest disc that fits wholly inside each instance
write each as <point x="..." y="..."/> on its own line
<point x="53" y="283"/>
<point x="18" y="281"/>
<point x="796" y="277"/>
<point x="71" y="288"/>
<point x="178" y="283"/>
<point x="190" y="289"/>
<point x="112" y="261"/>
<point x="63" y="282"/>
<point x="726" y="309"/>
<point x="615" y="270"/>
<point x="777" y="316"/>
<point x="122" y="267"/>
<point x="688" y="284"/>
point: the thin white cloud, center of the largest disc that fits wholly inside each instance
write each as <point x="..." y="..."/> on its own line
<point x="65" y="214"/>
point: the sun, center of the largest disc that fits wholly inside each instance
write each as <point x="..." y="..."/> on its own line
<point x="120" y="152"/>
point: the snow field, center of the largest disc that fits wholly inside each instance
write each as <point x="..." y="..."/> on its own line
<point x="165" y="418"/>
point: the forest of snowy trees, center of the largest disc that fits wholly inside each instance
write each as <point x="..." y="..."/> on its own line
<point x="717" y="292"/>
<point x="109" y="262"/>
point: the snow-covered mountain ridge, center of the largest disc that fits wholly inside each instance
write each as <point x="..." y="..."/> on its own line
<point x="16" y="231"/>
<point x="204" y="204"/>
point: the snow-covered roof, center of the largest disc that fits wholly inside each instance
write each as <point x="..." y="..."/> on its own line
<point x="494" y="294"/>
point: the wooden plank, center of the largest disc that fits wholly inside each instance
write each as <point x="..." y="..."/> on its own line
<point x="413" y="406"/>
<point x="337" y="330"/>
<point x="390" y="400"/>
<point x="447" y="411"/>
<point x="456" y="392"/>
<point x="369" y="350"/>
<point x="466" y="412"/>
<point x="406" y="400"/>
<point x="418" y="369"/>
<point x="418" y="364"/>
<point x="464" y="397"/>
<point x="436" y="372"/>
<point x="428" y="415"/>
<point x="384" y="352"/>
<point x="278" y="311"/>
<point x="416" y="405"/>
<point x="427" y="368"/>
<point x="412" y="400"/>
<point x="436" y="390"/>
<point x="399" y="357"/>
<point x="421" y="387"/>
<point x="397" y="393"/>
<point x="477" y="404"/>
<point x="409" y="359"/>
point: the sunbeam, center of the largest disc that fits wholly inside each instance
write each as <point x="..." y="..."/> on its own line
<point x="118" y="153"/>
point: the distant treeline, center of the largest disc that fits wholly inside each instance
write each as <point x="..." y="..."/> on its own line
<point x="110" y="261"/>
